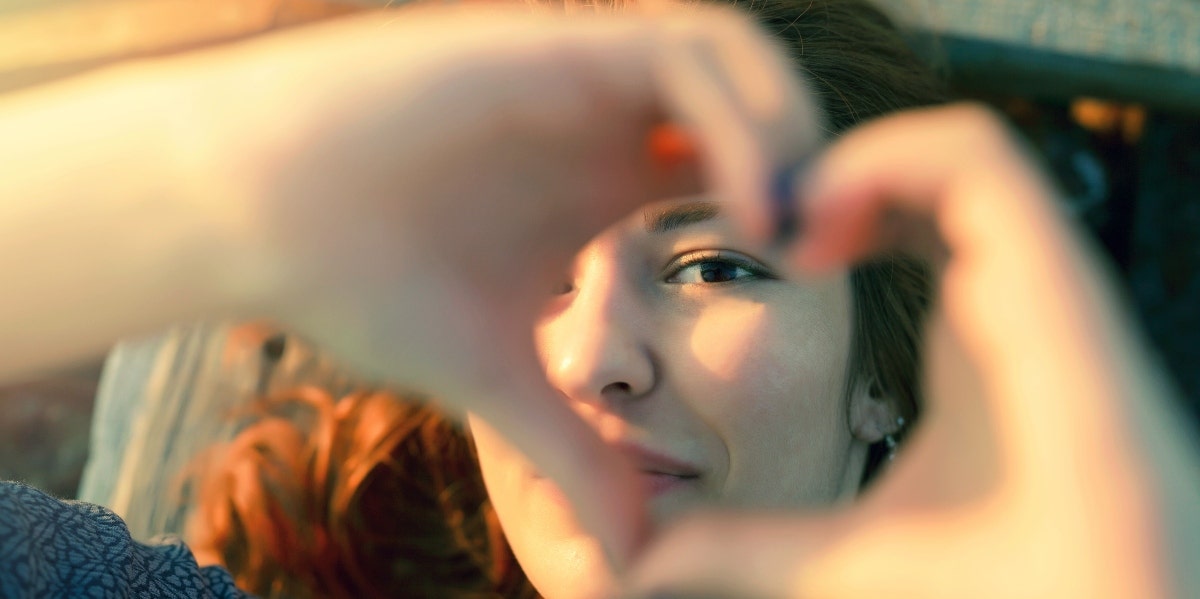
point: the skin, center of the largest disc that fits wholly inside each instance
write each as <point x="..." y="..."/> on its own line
<point x="714" y="359"/>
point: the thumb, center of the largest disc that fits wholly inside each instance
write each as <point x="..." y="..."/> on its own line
<point x="849" y="554"/>
<point x="754" y="555"/>
<point x="601" y="486"/>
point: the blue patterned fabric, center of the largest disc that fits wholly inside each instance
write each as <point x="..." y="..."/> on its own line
<point x="51" y="548"/>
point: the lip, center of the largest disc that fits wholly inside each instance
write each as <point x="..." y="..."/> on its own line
<point x="649" y="461"/>
<point x="658" y="472"/>
<point x="655" y="483"/>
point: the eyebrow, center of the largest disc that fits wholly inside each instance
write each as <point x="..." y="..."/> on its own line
<point x="681" y="215"/>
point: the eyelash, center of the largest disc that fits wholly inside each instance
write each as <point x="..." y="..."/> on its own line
<point x="756" y="269"/>
<point x="688" y="259"/>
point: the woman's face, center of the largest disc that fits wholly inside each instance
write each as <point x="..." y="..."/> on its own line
<point x="724" y="382"/>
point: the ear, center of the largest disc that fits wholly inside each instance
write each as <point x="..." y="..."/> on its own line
<point x="873" y="412"/>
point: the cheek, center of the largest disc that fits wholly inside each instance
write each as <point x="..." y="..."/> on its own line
<point x="769" y="377"/>
<point x="772" y="347"/>
<point x="725" y="338"/>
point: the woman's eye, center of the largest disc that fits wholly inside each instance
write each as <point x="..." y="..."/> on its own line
<point x="709" y="268"/>
<point x="711" y="271"/>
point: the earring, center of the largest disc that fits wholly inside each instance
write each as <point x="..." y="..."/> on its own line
<point x="890" y="439"/>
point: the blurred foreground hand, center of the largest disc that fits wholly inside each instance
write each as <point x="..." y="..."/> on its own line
<point x="404" y="188"/>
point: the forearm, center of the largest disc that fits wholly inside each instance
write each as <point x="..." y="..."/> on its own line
<point x="102" y="231"/>
<point x="66" y="38"/>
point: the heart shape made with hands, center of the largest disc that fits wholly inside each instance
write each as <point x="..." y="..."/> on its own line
<point x="1032" y="457"/>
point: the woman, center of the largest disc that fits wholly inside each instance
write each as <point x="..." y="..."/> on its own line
<point x="686" y="345"/>
<point x="359" y="290"/>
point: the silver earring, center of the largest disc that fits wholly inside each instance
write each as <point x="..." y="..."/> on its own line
<point x="890" y="439"/>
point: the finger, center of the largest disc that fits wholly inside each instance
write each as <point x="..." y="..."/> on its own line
<point x="1019" y="289"/>
<point x="748" y="114"/>
<point x="725" y="555"/>
<point x="968" y="187"/>
<point x="939" y="167"/>
<point x="601" y="486"/>
<point x="773" y="556"/>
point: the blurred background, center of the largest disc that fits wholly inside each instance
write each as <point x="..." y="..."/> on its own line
<point x="1108" y="91"/>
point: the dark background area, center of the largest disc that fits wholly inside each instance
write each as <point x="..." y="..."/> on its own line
<point x="1129" y="169"/>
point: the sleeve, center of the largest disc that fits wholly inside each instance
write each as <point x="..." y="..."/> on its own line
<point x="53" y="548"/>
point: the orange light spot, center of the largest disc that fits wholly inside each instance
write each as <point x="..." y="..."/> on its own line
<point x="670" y="146"/>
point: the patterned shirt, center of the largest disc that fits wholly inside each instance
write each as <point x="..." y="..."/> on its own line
<point x="53" y="548"/>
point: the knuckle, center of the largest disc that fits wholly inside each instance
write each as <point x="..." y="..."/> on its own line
<point x="976" y="115"/>
<point x="981" y="121"/>
<point x="983" y="129"/>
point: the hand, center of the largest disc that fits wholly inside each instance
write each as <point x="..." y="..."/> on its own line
<point x="1045" y="465"/>
<point x="416" y="187"/>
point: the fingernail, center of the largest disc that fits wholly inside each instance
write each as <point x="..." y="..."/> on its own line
<point x="788" y="220"/>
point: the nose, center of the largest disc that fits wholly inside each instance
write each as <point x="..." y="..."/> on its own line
<point x="597" y="348"/>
